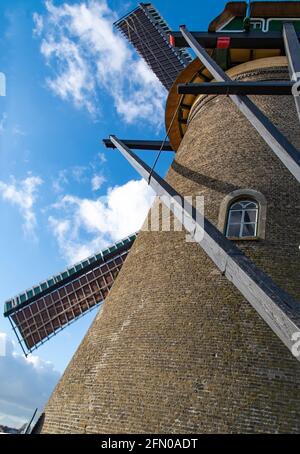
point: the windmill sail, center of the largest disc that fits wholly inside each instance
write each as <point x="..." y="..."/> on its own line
<point x="40" y="312"/>
<point x="149" y="33"/>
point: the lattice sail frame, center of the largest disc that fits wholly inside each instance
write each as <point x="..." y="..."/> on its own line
<point x="40" y="312"/>
<point x="149" y="33"/>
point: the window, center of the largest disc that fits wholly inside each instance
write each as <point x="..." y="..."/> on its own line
<point x="242" y="219"/>
<point x="243" y="215"/>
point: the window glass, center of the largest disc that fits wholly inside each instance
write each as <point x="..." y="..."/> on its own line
<point x="242" y="219"/>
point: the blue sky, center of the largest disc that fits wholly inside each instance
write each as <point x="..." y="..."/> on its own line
<point x="71" y="81"/>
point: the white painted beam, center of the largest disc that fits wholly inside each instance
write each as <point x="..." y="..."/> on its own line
<point x="278" y="309"/>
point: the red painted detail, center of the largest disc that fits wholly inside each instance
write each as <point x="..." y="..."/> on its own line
<point x="172" y="40"/>
<point x="223" y="42"/>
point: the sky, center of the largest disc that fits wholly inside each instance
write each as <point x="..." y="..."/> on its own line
<point x="71" y="81"/>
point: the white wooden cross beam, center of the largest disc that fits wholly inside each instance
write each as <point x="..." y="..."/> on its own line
<point x="277" y="308"/>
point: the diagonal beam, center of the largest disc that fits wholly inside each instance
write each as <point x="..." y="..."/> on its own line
<point x="236" y="88"/>
<point x="283" y="149"/>
<point x="278" y="309"/>
<point x="292" y="50"/>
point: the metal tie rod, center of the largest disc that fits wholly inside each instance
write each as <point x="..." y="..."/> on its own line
<point x="283" y="149"/>
<point x="292" y="50"/>
<point x="277" y="308"/>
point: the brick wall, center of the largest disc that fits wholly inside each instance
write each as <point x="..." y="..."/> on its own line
<point x="176" y="348"/>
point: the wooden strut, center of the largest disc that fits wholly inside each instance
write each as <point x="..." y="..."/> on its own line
<point x="277" y="308"/>
<point x="284" y="150"/>
<point x="238" y="40"/>
<point x="236" y="88"/>
<point x="292" y="50"/>
<point x="143" y="144"/>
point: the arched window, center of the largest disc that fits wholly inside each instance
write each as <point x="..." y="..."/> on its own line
<point x="242" y="220"/>
<point x="243" y="215"/>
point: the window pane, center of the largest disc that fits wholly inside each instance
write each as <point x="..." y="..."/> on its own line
<point x="250" y="205"/>
<point x="250" y="216"/>
<point x="237" y="206"/>
<point x="235" y="217"/>
<point x="248" y="229"/>
<point x="234" y="230"/>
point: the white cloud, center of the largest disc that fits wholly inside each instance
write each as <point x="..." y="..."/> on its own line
<point x="26" y="384"/>
<point x="89" y="57"/>
<point x="15" y="130"/>
<point x="85" y="226"/>
<point x="97" y="181"/>
<point x="74" y="80"/>
<point x="60" y="181"/>
<point x="39" y="24"/>
<point x="18" y="131"/>
<point x="2" y="122"/>
<point x="102" y="158"/>
<point x="23" y="194"/>
<point x="91" y="173"/>
<point x="79" y="173"/>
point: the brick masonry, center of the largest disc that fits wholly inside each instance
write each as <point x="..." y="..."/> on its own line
<point x="176" y="348"/>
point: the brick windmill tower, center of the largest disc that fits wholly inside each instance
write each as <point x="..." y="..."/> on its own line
<point x="202" y="336"/>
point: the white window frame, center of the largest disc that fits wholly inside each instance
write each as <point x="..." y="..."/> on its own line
<point x="244" y="203"/>
<point x="244" y="194"/>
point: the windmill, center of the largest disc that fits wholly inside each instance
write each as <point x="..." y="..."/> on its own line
<point x="202" y="339"/>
